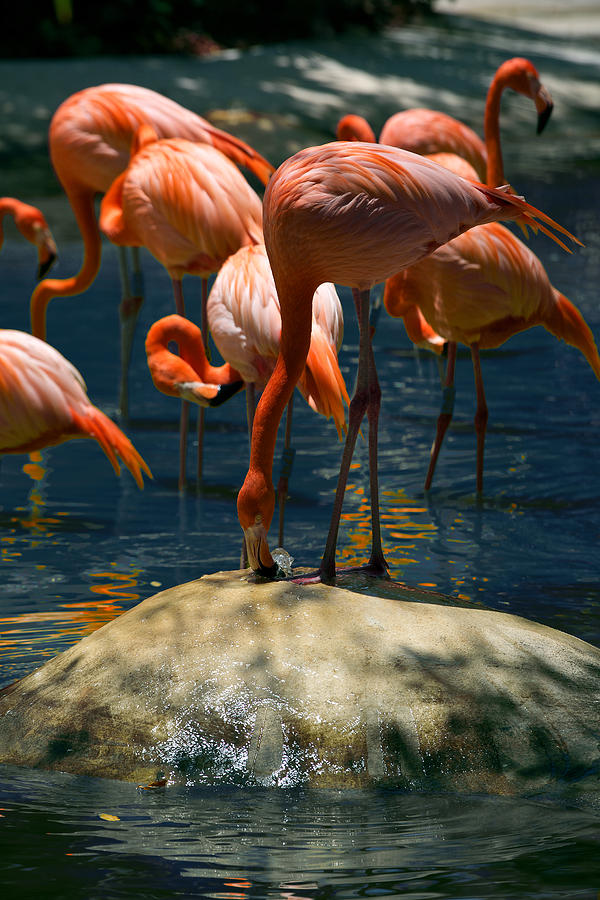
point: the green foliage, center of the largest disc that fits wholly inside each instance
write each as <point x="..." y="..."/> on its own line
<point x="80" y="28"/>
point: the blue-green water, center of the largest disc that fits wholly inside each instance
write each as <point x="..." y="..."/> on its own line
<point x="81" y="546"/>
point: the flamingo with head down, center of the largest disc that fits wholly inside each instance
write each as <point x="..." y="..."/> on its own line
<point x="353" y="214"/>
<point x="90" y="139"/>
<point x="43" y="402"/>
<point x="34" y="228"/>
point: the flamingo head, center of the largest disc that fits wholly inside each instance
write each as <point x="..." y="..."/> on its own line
<point x="34" y="228"/>
<point x="256" y="504"/>
<point x="355" y="128"/>
<point x="521" y="76"/>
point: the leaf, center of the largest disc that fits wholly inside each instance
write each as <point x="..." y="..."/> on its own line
<point x="108" y="817"/>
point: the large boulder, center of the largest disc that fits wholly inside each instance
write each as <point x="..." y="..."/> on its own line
<point x="226" y="680"/>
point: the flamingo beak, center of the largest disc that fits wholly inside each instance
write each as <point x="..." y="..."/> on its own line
<point x="544" y="105"/>
<point x="47" y="252"/>
<point x="259" y="555"/>
<point x="225" y="392"/>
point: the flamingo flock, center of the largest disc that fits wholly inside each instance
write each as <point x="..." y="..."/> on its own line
<point x="419" y="210"/>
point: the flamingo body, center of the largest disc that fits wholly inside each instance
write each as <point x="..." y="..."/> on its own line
<point x="245" y="322"/>
<point x="43" y="402"/>
<point x="483" y="287"/>
<point x="186" y="203"/>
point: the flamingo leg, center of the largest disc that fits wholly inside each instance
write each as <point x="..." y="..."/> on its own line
<point x="129" y="308"/>
<point x="446" y="412"/>
<point x="481" y="414"/>
<point x="184" y="416"/>
<point x="250" y="408"/>
<point x="286" y="470"/>
<point x="361" y="401"/>
<point x="201" y="410"/>
<point x="377" y="564"/>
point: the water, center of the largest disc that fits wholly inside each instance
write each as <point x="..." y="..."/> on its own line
<point x="80" y="546"/>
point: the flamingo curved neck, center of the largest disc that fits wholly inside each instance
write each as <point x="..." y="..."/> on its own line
<point x="188" y="338"/>
<point x="491" y="131"/>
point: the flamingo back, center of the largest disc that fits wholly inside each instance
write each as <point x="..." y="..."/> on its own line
<point x="92" y="130"/>
<point x="187" y="203"/>
<point x="426" y="131"/>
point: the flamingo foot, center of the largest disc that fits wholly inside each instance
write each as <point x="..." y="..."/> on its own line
<point x="372" y="569"/>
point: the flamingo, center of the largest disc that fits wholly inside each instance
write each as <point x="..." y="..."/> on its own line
<point x="34" y="228"/>
<point x="90" y="138"/>
<point x="426" y="131"/>
<point x="43" y="402"/>
<point x="480" y="289"/>
<point x="351" y="213"/>
<point x="245" y="322"/>
<point x="191" y="208"/>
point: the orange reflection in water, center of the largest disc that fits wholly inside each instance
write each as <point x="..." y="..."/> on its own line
<point x="405" y="527"/>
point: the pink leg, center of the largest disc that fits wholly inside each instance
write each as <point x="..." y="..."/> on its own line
<point x="184" y="416"/>
<point x="201" y="409"/>
<point x="366" y="397"/>
<point x="445" y="415"/>
<point x="481" y="414"/>
<point x="288" y="456"/>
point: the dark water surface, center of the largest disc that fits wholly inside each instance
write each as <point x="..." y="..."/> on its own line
<point x="80" y="546"/>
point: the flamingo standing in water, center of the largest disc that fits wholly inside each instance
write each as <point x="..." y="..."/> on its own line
<point x="90" y="140"/>
<point x="191" y="208"/>
<point x="34" y="228"/>
<point x="353" y="214"/>
<point x="426" y="131"/>
<point x="480" y="289"/>
<point x="43" y="402"/>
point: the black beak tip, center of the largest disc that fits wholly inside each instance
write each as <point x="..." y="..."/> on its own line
<point x="45" y="267"/>
<point x="226" y="391"/>
<point x="543" y="118"/>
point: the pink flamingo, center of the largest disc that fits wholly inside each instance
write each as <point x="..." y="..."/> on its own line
<point x="354" y="214"/>
<point x="480" y="289"/>
<point x="426" y="131"/>
<point x="191" y="208"/>
<point x="43" y="402"/>
<point x="34" y="228"/>
<point x="90" y="139"/>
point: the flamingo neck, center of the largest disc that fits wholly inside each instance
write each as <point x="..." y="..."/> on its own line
<point x="188" y="338"/>
<point x="82" y="203"/>
<point x="296" y="307"/>
<point x="491" y="130"/>
<point x="8" y="206"/>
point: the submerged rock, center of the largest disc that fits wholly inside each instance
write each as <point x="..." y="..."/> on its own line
<point x="225" y="680"/>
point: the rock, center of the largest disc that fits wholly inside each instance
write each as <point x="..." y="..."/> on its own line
<point x="226" y="680"/>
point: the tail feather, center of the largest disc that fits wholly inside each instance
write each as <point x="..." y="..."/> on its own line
<point x="528" y="216"/>
<point x="322" y="384"/>
<point x="242" y="154"/>
<point x="113" y="441"/>
<point x="566" y="322"/>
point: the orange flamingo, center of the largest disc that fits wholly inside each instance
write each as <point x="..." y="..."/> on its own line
<point x="426" y="131"/>
<point x="191" y="208"/>
<point x="43" y="402"/>
<point x="480" y="289"/>
<point x="245" y="322"/>
<point x="34" y="228"/>
<point x="90" y="139"/>
<point x="354" y="214"/>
